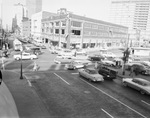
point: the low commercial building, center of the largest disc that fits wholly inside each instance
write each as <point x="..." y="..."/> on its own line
<point x="36" y="24"/>
<point x="70" y="30"/>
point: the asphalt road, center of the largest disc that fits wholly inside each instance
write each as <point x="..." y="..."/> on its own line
<point x="66" y="95"/>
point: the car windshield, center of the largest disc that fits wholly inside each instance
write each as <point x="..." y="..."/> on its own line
<point x="93" y="72"/>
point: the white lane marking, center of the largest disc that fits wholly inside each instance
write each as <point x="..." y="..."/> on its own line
<point x="62" y="79"/>
<point x="115" y="99"/>
<point x="107" y="113"/>
<point x="29" y="83"/>
<point x="74" y="73"/>
<point x="145" y="102"/>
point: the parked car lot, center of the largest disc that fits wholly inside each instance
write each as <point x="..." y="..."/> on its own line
<point x="91" y="74"/>
<point x="139" y="84"/>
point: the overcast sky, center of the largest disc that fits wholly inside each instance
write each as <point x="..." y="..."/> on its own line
<point x="97" y="9"/>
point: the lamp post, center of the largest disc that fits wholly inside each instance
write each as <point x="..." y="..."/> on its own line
<point x="21" y="74"/>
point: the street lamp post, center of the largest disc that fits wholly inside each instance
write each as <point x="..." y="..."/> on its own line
<point x="21" y="74"/>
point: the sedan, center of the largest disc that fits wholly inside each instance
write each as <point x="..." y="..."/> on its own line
<point x="25" y="56"/>
<point x="109" y="63"/>
<point x="75" y="65"/>
<point x="139" y="84"/>
<point x="91" y="74"/>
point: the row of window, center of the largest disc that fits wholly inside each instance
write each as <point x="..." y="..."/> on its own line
<point x="103" y="34"/>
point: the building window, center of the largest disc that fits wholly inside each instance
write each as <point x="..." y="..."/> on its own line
<point x="63" y="23"/>
<point x="57" y="23"/>
<point x="87" y="25"/>
<point x="62" y="31"/>
<point x="56" y="31"/>
<point x="75" y="24"/>
<point x="76" y="32"/>
<point x="51" y="30"/>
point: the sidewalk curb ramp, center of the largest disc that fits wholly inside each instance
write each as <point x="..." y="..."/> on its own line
<point x="28" y="103"/>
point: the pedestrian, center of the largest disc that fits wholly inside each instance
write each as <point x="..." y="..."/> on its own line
<point x="35" y="68"/>
<point x="131" y="71"/>
<point x="136" y="70"/>
<point x="96" y="65"/>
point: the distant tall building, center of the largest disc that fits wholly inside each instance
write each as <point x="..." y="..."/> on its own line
<point x="134" y="14"/>
<point x="33" y="6"/>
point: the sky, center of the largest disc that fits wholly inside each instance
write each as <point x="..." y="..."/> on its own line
<point x="97" y="9"/>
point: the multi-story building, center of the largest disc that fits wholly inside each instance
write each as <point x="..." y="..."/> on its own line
<point x="33" y="6"/>
<point x="68" y="29"/>
<point x="134" y="14"/>
<point x="36" y="23"/>
<point x="26" y="27"/>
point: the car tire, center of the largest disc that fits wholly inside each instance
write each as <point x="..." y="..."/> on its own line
<point x="124" y="84"/>
<point x="142" y="92"/>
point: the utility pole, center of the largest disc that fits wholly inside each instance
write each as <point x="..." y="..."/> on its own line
<point x="126" y="54"/>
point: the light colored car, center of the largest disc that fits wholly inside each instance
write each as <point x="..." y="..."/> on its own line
<point x="139" y="84"/>
<point x="25" y="56"/>
<point x="108" y="62"/>
<point x="56" y="50"/>
<point x="62" y="61"/>
<point x="108" y="54"/>
<point x="91" y="74"/>
<point x="66" y="53"/>
<point x="80" y="52"/>
<point x="75" y="65"/>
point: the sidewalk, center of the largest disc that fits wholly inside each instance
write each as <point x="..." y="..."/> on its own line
<point x="27" y="101"/>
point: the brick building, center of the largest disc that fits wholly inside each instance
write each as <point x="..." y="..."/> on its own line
<point x="67" y="29"/>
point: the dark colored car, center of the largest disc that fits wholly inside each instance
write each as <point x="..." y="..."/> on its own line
<point x="108" y="73"/>
<point x="139" y="67"/>
<point x="96" y="57"/>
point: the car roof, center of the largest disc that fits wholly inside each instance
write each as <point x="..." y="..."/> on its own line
<point x="142" y="80"/>
<point x="91" y="69"/>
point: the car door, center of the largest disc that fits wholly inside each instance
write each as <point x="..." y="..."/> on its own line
<point x="26" y="56"/>
<point x="134" y="84"/>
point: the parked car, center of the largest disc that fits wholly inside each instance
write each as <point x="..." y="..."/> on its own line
<point x="108" y="54"/>
<point x="75" y="65"/>
<point x="109" y="62"/>
<point x="56" y="50"/>
<point x="25" y="56"/>
<point x="139" y="84"/>
<point x="61" y="61"/>
<point x="141" y="68"/>
<point x="66" y="53"/>
<point x="91" y="74"/>
<point x="108" y="73"/>
<point x="96" y="57"/>
<point x="80" y="52"/>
